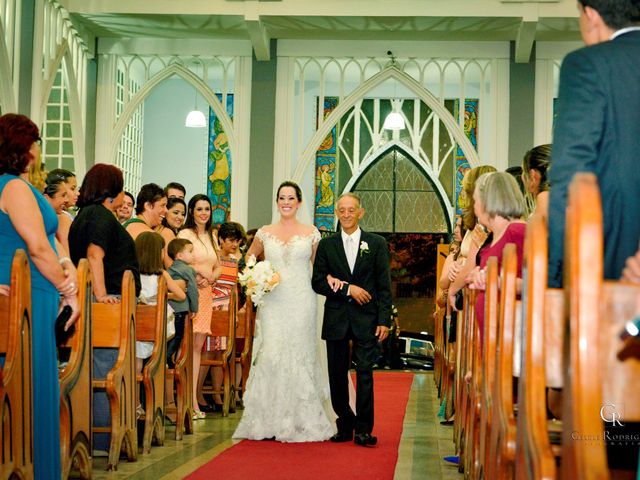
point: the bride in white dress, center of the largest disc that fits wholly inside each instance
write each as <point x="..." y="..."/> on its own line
<point x="287" y="393"/>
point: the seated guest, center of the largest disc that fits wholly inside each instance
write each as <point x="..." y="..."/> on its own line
<point x="125" y="211"/>
<point x="499" y="206"/>
<point x="534" y="175"/>
<point x="151" y="208"/>
<point x="97" y="235"/>
<point x="175" y="190"/>
<point x="28" y="222"/>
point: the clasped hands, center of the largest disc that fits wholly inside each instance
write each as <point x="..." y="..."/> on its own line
<point x="361" y="296"/>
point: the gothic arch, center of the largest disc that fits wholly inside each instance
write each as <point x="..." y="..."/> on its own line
<point x="426" y="169"/>
<point x="76" y="115"/>
<point x="145" y="90"/>
<point x="390" y="72"/>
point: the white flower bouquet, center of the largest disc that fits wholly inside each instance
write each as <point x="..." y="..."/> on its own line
<point x="258" y="278"/>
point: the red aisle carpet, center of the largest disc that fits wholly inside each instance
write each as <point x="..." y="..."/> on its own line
<point x="323" y="460"/>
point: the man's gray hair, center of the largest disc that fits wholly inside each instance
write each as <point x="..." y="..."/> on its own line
<point x="352" y="195"/>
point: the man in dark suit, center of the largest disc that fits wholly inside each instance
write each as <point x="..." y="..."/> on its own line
<point x="597" y="130"/>
<point x="351" y="269"/>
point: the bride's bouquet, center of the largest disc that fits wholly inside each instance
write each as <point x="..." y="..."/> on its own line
<point x="258" y="278"/>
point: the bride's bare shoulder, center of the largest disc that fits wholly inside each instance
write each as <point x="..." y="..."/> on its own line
<point x="307" y="229"/>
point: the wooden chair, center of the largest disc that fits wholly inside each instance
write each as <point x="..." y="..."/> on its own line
<point x="597" y="311"/>
<point x="114" y="326"/>
<point x="15" y="375"/>
<point x="502" y="441"/>
<point x="76" y="393"/>
<point x="182" y="376"/>
<point x="151" y="326"/>
<point x="223" y="324"/>
<point x="245" y="329"/>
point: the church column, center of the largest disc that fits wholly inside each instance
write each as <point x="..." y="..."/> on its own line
<point x="522" y="89"/>
<point x="263" y="113"/>
<point x="27" y="43"/>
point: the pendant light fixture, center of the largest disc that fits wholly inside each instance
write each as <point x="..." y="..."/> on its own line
<point x="395" y="120"/>
<point x="195" y="118"/>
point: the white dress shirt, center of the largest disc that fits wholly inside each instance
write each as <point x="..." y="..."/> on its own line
<point x="351" y="244"/>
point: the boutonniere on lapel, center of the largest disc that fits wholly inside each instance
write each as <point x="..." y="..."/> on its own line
<point x="364" y="248"/>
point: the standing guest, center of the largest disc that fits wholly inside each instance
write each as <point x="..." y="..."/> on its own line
<point x="151" y="208"/>
<point x="596" y="129"/>
<point x="175" y="189"/>
<point x="149" y="248"/>
<point x="230" y="235"/>
<point x="72" y="187"/>
<point x="37" y="174"/>
<point x="198" y="231"/>
<point x="28" y="222"/>
<point x="57" y="194"/>
<point x="65" y="217"/>
<point x="499" y="206"/>
<point x="180" y="251"/>
<point x="473" y="238"/>
<point x="171" y="223"/>
<point x="125" y="212"/>
<point x="534" y="177"/>
<point x="96" y="235"/>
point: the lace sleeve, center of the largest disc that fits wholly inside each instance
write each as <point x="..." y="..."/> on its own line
<point x="315" y="236"/>
<point x="260" y="235"/>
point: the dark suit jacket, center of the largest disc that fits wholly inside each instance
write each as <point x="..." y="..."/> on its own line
<point x="597" y="130"/>
<point x="370" y="272"/>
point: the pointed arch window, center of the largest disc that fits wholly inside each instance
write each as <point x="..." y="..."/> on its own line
<point x="398" y="196"/>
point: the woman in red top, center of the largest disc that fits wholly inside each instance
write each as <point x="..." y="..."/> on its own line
<point x="499" y="206"/>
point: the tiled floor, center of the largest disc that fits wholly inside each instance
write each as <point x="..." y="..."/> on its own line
<point x="423" y="445"/>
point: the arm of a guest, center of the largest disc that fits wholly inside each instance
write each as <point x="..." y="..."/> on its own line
<point x="62" y="234"/>
<point x="95" y="256"/>
<point x="175" y="291"/>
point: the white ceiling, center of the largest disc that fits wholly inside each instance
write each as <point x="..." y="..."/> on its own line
<point x="261" y="21"/>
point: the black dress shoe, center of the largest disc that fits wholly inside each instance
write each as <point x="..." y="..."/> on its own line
<point x="341" y="437"/>
<point x="210" y="407"/>
<point x="365" y="439"/>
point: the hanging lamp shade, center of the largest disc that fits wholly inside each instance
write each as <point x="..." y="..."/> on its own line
<point x="195" y="119"/>
<point x="394" y="121"/>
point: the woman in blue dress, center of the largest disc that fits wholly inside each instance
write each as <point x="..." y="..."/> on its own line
<point x="28" y="222"/>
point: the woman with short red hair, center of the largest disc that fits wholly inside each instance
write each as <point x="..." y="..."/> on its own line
<point x="28" y="222"/>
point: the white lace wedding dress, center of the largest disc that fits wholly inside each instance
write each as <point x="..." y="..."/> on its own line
<point x="287" y="394"/>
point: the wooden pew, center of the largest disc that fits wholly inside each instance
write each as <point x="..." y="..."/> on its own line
<point x="488" y="358"/>
<point x="597" y="311"/>
<point x="182" y="373"/>
<point x="15" y="375"/>
<point x="541" y="359"/>
<point x="114" y="327"/>
<point x="472" y="407"/>
<point x="151" y="326"/>
<point x="223" y="324"/>
<point x="76" y="393"/>
<point x="462" y="366"/>
<point x="245" y="329"/>
<point x="502" y="440"/>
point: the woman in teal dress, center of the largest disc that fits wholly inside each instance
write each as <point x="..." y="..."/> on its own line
<point x="28" y="222"/>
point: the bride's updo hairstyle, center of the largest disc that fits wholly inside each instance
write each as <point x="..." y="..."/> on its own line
<point x="294" y="185"/>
